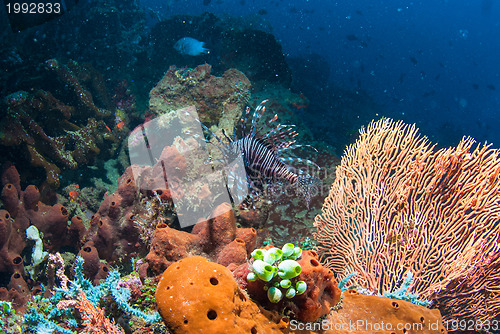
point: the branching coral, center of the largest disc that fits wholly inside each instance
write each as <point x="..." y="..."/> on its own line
<point x="397" y="205"/>
<point x="94" y="319"/>
<point x="48" y="313"/>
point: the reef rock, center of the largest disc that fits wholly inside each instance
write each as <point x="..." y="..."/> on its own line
<point x="218" y="100"/>
<point x="52" y="132"/>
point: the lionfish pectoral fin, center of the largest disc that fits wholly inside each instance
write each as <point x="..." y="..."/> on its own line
<point x="210" y="132"/>
<point x="237" y="186"/>
<point x="229" y="139"/>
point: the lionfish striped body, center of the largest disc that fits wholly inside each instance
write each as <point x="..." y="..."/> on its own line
<point x="262" y="156"/>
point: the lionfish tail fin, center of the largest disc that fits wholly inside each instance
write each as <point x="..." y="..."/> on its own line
<point x="307" y="186"/>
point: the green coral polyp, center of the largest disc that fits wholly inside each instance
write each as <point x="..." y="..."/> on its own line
<point x="274" y="294"/>
<point x="258" y="254"/>
<point x="279" y="269"/>
<point x="263" y="270"/>
<point x="297" y="252"/>
<point x="251" y="277"/>
<point x="287" y="250"/>
<point x="290" y="293"/>
<point x="301" y="287"/>
<point x="289" y="269"/>
<point x="286" y="283"/>
<point x="270" y="258"/>
<point x="272" y="255"/>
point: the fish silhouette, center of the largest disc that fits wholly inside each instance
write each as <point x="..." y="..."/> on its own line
<point x="190" y="46"/>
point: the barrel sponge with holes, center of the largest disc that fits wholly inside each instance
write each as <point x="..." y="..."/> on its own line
<point x="195" y="295"/>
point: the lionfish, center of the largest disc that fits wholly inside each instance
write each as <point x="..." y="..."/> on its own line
<point x="262" y="156"/>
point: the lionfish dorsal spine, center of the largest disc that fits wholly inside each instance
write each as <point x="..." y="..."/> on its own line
<point x="275" y="117"/>
<point x="279" y="137"/>
<point x="259" y="111"/>
<point x="283" y="130"/>
<point x="210" y="132"/>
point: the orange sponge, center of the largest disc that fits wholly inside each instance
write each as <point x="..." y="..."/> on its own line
<point x="198" y="296"/>
<point x="373" y="314"/>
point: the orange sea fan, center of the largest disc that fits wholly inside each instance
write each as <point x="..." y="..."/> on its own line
<point x="399" y="205"/>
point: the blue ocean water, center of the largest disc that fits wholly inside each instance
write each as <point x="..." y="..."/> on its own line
<point x="433" y="63"/>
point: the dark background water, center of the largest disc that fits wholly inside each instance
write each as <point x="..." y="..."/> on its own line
<point x="434" y="63"/>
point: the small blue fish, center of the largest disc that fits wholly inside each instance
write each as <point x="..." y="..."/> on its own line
<point x="190" y="46"/>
